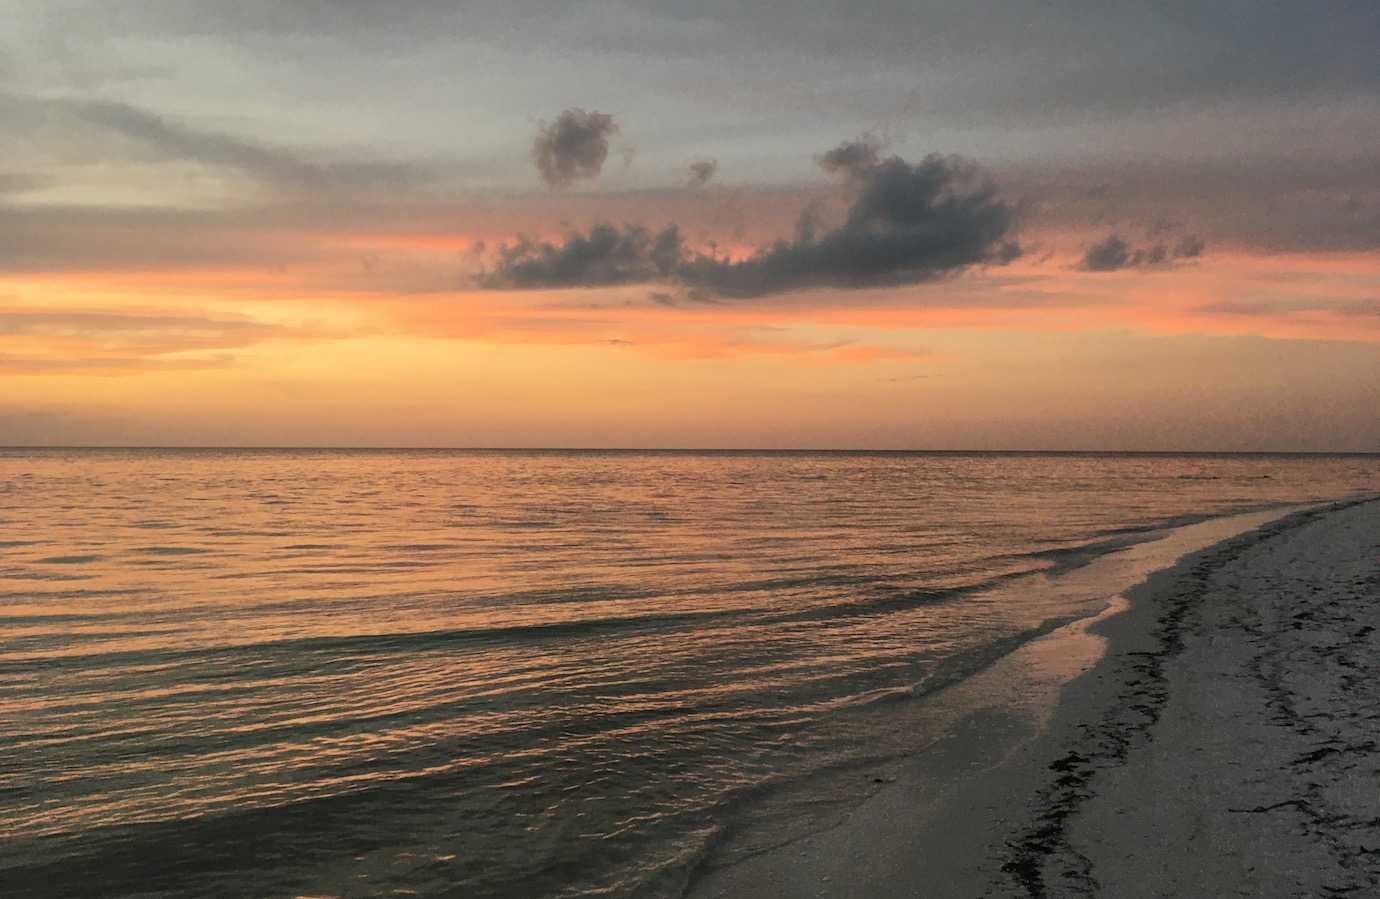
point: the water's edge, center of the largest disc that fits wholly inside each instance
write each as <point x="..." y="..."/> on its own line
<point x="999" y="705"/>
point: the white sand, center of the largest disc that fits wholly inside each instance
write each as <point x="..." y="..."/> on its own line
<point x="1228" y="743"/>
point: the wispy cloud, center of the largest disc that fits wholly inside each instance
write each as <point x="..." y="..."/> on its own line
<point x="1360" y="309"/>
<point x="96" y="323"/>
<point x="49" y="365"/>
<point x="12" y="183"/>
<point x="177" y="140"/>
<point x="44" y="340"/>
<point x="702" y="171"/>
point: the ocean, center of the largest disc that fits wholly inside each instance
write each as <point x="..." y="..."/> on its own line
<point x="518" y="673"/>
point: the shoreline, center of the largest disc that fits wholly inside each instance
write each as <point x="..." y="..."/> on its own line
<point x="997" y="806"/>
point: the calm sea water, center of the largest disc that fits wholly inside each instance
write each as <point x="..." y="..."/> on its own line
<point x="507" y="673"/>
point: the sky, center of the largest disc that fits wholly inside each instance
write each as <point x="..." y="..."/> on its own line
<point x="892" y="225"/>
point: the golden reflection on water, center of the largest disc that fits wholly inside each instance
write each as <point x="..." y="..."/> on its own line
<point x="584" y="655"/>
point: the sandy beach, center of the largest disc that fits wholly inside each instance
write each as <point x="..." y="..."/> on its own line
<point x="1224" y="743"/>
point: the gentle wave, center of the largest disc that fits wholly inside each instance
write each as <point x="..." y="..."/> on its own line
<point x="511" y="673"/>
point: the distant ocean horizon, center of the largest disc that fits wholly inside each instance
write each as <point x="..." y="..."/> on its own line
<point x="690" y="450"/>
<point x="494" y="672"/>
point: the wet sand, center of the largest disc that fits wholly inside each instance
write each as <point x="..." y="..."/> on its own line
<point x="1227" y="742"/>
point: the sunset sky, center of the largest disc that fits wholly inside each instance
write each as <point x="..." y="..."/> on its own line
<point x="1066" y="225"/>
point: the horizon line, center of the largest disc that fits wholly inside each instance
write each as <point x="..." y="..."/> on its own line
<point x="686" y="449"/>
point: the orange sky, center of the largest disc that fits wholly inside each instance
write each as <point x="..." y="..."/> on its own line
<point x="1237" y="350"/>
<point x="915" y="225"/>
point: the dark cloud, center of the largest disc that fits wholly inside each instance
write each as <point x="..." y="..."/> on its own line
<point x="1113" y="254"/>
<point x="1190" y="247"/>
<point x="906" y="224"/>
<point x="607" y="255"/>
<point x="702" y="171"/>
<point x="574" y="146"/>
<point x="853" y="158"/>
<point x="1107" y="255"/>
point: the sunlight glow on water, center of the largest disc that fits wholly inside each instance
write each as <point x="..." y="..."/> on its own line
<point x="269" y="672"/>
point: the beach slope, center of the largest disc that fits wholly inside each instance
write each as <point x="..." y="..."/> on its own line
<point x="1257" y="769"/>
<point x="1227" y="743"/>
